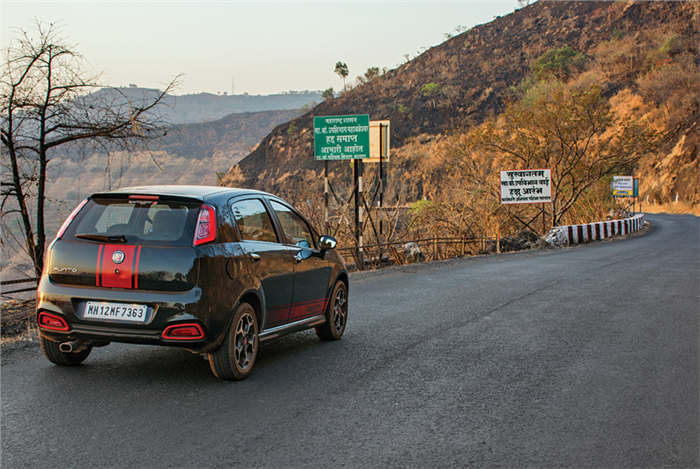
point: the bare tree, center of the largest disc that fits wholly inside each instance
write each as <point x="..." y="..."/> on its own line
<point x="47" y="104"/>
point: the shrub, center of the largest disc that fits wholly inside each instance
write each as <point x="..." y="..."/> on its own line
<point x="560" y="64"/>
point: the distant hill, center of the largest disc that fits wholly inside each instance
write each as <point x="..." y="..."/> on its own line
<point x="193" y="154"/>
<point x="203" y="107"/>
<point x="478" y="71"/>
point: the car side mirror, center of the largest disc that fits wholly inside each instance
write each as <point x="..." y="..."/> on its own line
<point x="326" y="243"/>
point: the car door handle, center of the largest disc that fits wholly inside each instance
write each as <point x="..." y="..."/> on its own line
<point x="254" y="257"/>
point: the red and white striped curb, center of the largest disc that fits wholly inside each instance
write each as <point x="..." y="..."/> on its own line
<point x="577" y="234"/>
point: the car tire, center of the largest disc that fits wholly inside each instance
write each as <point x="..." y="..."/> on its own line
<point x="235" y="358"/>
<point x="54" y="354"/>
<point x="336" y="314"/>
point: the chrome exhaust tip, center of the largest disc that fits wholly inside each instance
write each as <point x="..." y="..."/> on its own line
<point x="72" y="346"/>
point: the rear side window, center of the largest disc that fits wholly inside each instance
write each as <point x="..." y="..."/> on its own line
<point x="253" y="221"/>
<point x="148" y="222"/>
<point x="295" y="228"/>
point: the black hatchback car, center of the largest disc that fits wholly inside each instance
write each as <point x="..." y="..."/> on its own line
<point x="213" y="270"/>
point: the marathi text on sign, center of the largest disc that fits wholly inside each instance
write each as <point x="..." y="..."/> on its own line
<point x="532" y="186"/>
<point x="341" y="137"/>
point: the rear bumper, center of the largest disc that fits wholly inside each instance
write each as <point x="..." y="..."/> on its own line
<point x="166" y="309"/>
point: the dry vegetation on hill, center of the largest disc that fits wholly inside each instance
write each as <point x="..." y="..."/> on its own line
<point x="642" y="57"/>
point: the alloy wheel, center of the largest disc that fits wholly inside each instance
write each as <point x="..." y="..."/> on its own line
<point x="340" y="305"/>
<point x="245" y="342"/>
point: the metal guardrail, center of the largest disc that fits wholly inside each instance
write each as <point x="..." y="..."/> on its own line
<point x="16" y="282"/>
<point x="431" y="242"/>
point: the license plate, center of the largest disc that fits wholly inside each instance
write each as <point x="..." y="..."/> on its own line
<point x="115" y="311"/>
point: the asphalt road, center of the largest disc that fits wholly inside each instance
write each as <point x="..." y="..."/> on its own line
<point x="579" y="357"/>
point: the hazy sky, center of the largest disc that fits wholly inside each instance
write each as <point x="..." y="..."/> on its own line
<point x="267" y="47"/>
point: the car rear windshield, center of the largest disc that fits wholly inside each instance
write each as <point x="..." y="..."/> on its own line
<point x="155" y="221"/>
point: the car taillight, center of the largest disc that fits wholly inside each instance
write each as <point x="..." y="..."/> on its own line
<point x="152" y="198"/>
<point x="52" y="321"/>
<point x="206" y="226"/>
<point x="70" y="219"/>
<point x="183" y="332"/>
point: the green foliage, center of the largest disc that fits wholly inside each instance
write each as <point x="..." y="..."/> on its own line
<point x="671" y="45"/>
<point x="402" y="108"/>
<point x="328" y="94"/>
<point x="430" y="89"/>
<point x="342" y="71"/>
<point x="420" y="211"/>
<point x="371" y="73"/>
<point x="560" y="64"/>
<point x="291" y="129"/>
<point x="420" y="206"/>
<point x="520" y="90"/>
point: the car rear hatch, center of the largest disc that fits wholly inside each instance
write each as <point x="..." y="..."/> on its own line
<point x="129" y="241"/>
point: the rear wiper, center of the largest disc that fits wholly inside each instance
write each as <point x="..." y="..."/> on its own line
<point x="105" y="238"/>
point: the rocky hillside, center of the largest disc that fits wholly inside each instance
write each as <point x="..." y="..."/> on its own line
<point x="476" y="73"/>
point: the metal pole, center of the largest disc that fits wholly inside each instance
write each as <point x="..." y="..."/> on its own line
<point x="357" y="211"/>
<point x="325" y="197"/>
<point x="544" y="221"/>
<point x="360" y="213"/>
<point x="381" y="175"/>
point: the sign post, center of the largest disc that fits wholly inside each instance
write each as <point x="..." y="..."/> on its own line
<point x="527" y="186"/>
<point x="625" y="186"/>
<point x="379" y="153"/>
<point x="344" y="138"/>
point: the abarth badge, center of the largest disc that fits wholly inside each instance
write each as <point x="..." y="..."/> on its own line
<point x="118" y="257"/>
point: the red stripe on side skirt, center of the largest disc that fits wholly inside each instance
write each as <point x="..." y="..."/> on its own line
<point x="307" y="309"/>
<point x="98" y="270"/>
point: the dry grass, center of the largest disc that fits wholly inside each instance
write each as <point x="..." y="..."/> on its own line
<point x="29" y="334"/>
<point x="673" y="208"/>
<point x="18" y="322"/>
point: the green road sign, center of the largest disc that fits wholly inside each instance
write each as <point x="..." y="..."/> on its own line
<point x="341" y="137"/>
